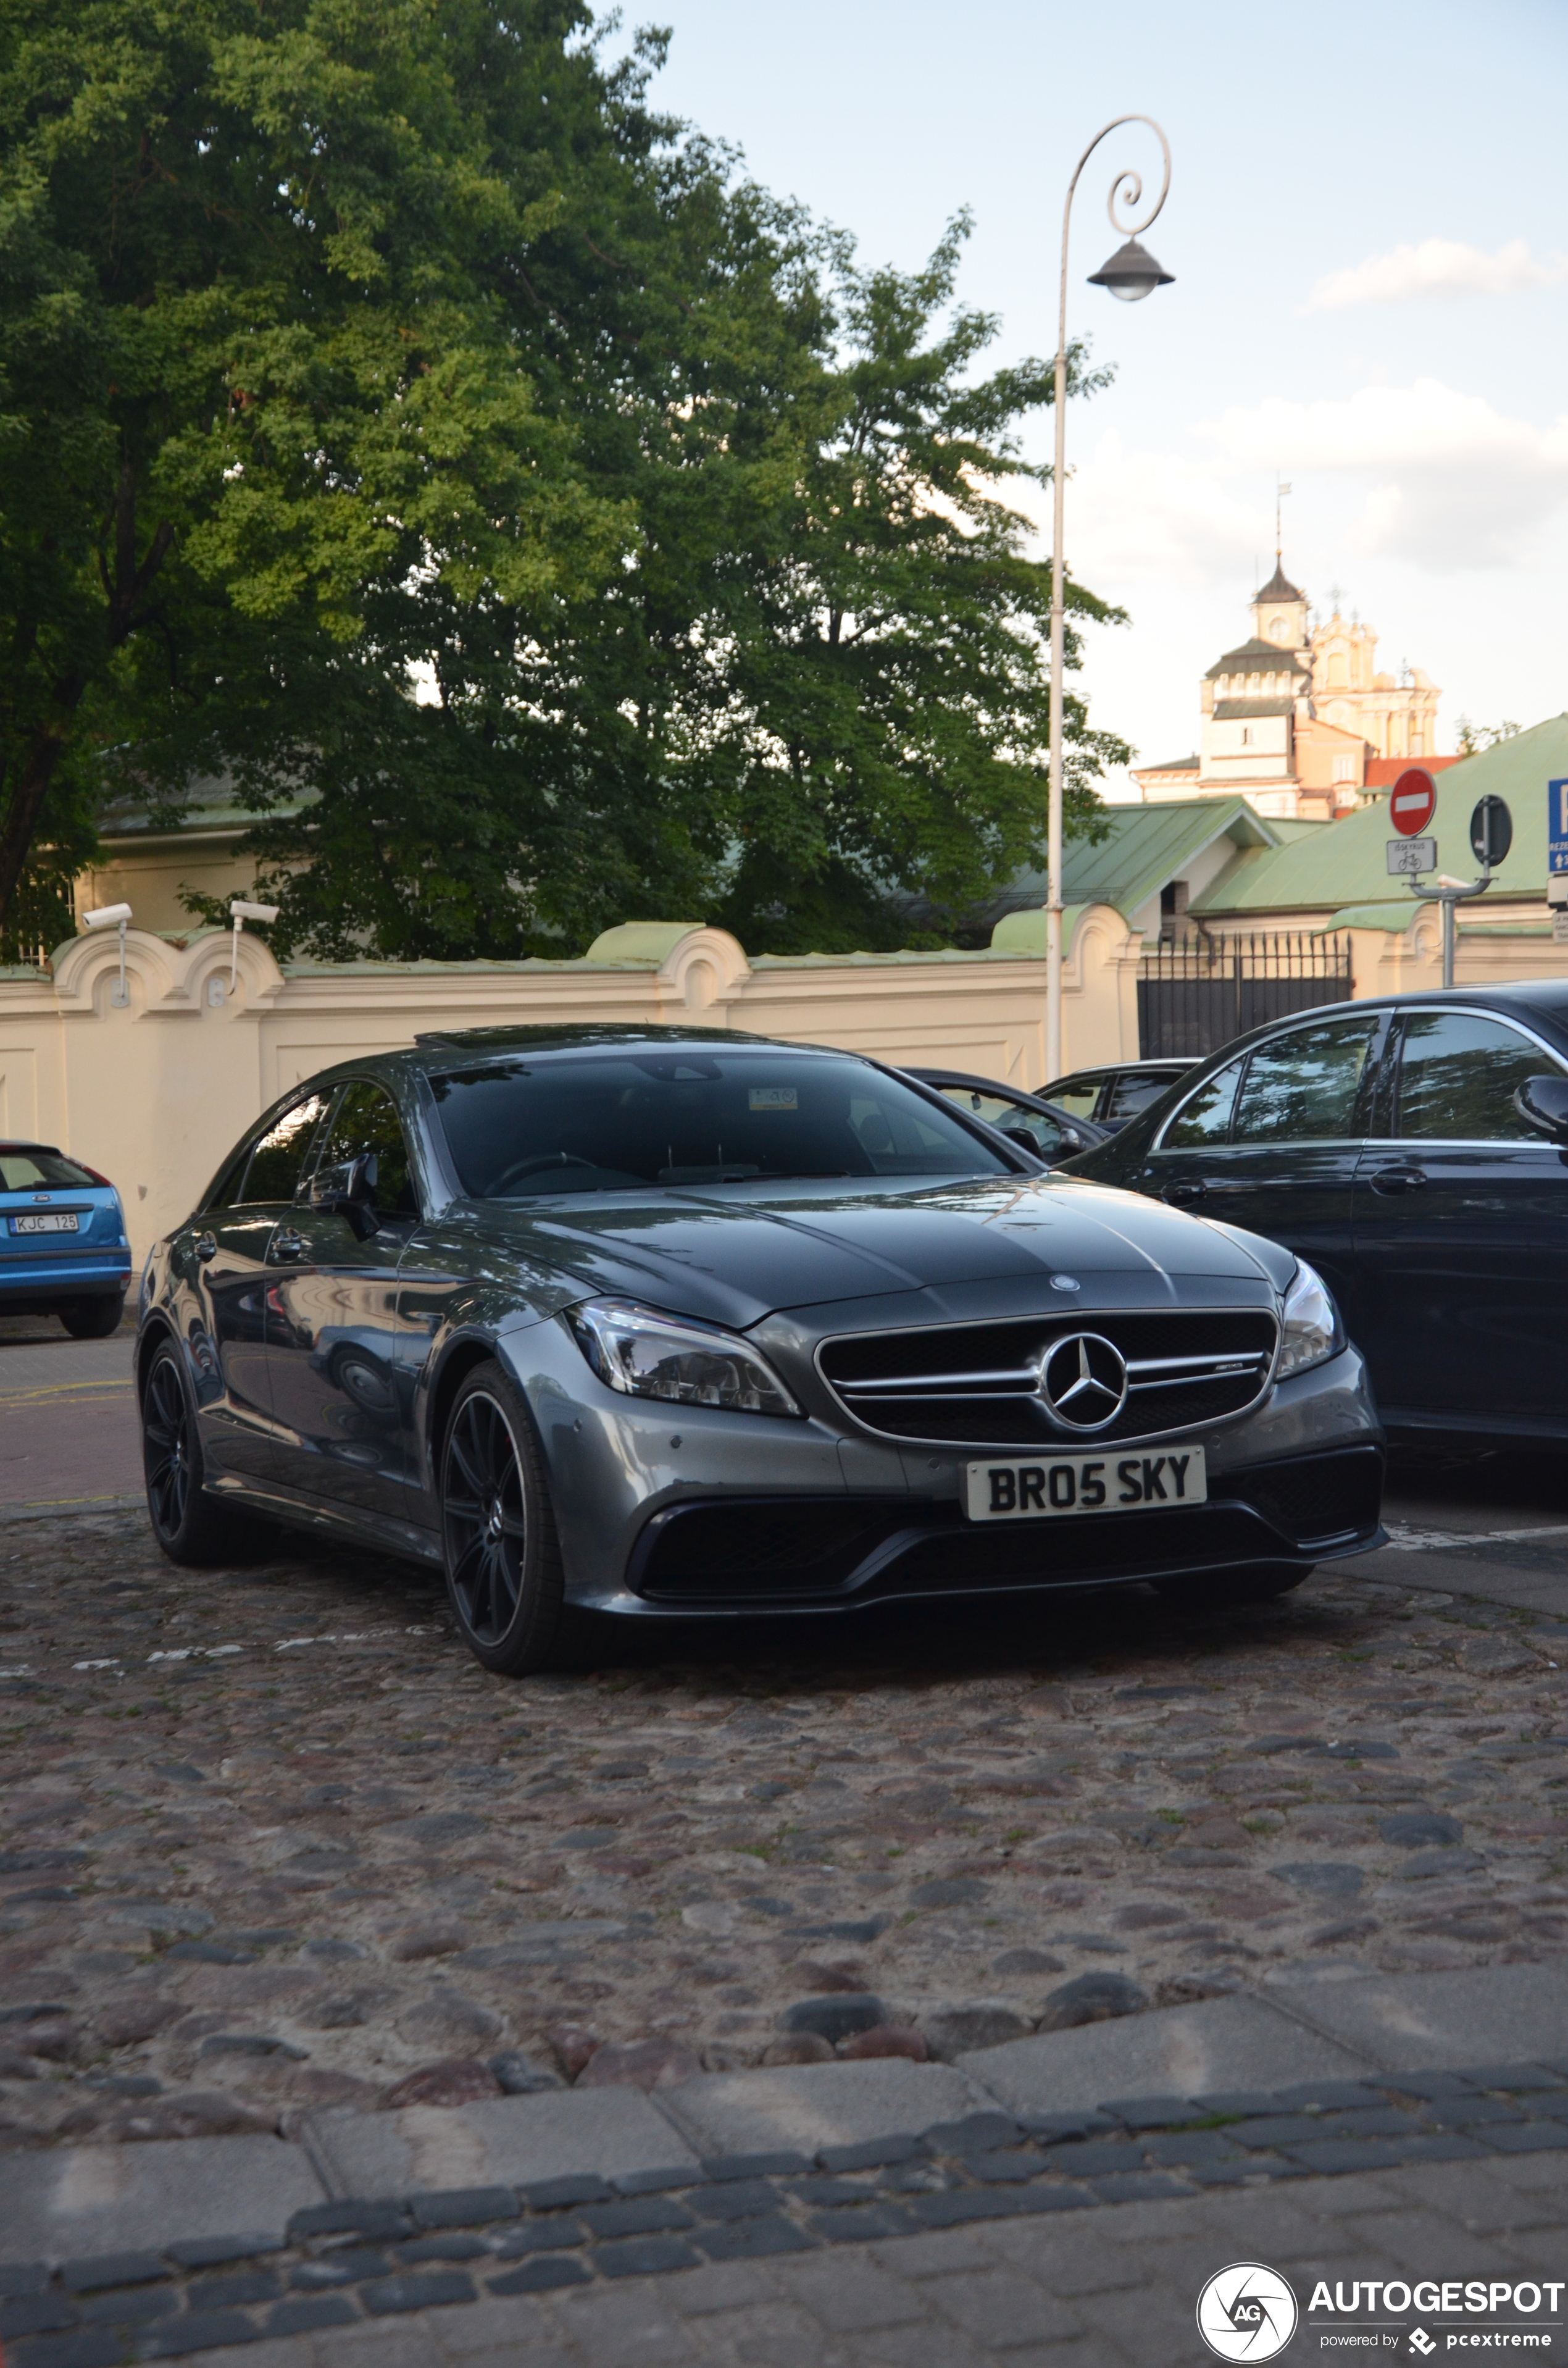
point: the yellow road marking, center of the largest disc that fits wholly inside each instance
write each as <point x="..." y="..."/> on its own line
<point x="59" y="1390"/>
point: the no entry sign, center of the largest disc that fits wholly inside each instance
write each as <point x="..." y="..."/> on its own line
<point x="1413" y="801"/>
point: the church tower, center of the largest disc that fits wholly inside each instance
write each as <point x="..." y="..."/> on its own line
<point x="1279" y="616"/>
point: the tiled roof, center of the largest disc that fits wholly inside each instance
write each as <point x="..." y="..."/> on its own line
<point x="1256" y="658"/>
<point x="1280" y="587"/>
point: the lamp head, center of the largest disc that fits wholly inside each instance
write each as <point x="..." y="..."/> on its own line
<point x="243" y="911"/>
<point x="1132" y="274"/>
<point x="105" y="915"/>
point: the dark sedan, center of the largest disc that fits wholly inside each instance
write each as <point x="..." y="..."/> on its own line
<point x="641" y="1321"/>
<point x="1024" y="1119"/>
<point x="1416" y="1149"/>
<point x="1110" y="1097"/>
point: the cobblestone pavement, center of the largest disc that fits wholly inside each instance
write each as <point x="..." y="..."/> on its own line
<point x="1115" y="2290"/>
<point x="270" y="1840"/>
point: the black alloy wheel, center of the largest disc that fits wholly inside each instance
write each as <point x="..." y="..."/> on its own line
<point x="190" y="1527"/>
<point x="498" y="1535"/>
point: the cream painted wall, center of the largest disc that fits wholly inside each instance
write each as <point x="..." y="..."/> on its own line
<point x="156" y="1094"/>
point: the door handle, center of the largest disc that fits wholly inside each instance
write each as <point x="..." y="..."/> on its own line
<point x="1178" y="1195"/>
<point x="1389" y="1180"/>
<point x="205" y="1247"/>
<point x="287" y="1244"/>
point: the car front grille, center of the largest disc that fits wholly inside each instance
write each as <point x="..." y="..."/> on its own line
<point x="783" y="1554"/>
<point x="978" y="1383"/>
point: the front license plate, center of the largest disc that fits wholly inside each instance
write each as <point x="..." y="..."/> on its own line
<point x="1086" y="1483"/>
<point x="53" y="1221"/>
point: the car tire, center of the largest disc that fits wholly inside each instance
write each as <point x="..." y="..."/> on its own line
<point x="189" y="1526"/>
<point x="91" y="1319"/>
<point x="500" y="1545"/>
<point x="1250" y="1584"/>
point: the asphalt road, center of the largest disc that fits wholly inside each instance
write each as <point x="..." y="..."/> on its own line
<point x="68" y="1433"/>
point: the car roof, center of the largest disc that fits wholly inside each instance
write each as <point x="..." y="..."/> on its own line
<point x="978" y="1085"/>
<point x="589" y="1036"/>
<point x="1549" y="995"/>
<point x="434" y="1051"/>
<point x="52" y="1149"/>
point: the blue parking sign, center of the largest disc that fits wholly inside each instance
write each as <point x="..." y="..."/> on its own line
<point x="1557" y="826"/>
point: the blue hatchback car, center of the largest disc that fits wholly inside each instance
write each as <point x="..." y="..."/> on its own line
<point x="63" y="1249"/>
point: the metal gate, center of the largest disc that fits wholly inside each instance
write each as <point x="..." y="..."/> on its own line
<point x="1196" y="995"/>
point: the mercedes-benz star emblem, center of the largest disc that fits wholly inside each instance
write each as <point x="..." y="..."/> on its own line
<point x="1083" y="1381"/>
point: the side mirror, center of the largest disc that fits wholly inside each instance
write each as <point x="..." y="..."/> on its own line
<point x="1542" y="1102"/>
<point x="349" y="1189"/>
<point x="1072" y="1139"/>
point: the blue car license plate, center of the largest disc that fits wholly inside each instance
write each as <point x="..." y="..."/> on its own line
<point x="50" y="1220"/>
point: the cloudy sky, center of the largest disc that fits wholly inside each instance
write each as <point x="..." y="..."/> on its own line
<point x="1369" y="228"/>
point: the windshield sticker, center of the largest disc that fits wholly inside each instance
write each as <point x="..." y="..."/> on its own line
<point x="773" y="1098"/>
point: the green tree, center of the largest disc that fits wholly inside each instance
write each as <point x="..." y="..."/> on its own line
<point x="1474" y="737"/>
<point x="255" y="370"/>
<point x="537" y="523"/>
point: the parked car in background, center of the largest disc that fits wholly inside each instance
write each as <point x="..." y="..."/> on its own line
<point x="63" y="1249"/>
<point x="1416" y="1149"/>
<point x="1110" y="1097"/>
<point x="1026" y="1119"/>
<point x="652" y="1322"/>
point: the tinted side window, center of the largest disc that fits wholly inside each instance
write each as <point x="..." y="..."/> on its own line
<point x="1133" y="1093"/>
<point x="1077" y="1095"/>
<point x="1205" y="1119"/>
<point x="366" y="1124"/>
<point x="997" y="1111"/>
<point x="1458" y="1071"/>
<point x="1305" y="1086"/>
<point x="273" y="1170"/>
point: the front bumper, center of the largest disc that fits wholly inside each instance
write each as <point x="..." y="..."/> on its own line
<point x="674" y="1510"/>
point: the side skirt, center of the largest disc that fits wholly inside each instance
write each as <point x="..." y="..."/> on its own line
<point x="360" y="1529"/>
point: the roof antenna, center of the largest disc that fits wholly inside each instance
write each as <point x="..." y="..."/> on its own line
<point x="1280" y="490"/>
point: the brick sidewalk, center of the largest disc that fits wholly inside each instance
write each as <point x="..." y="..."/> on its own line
<point x="1118" y="2291"/>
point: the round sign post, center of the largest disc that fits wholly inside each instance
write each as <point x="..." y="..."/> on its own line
<point x="1412" y="801"/>
<point x="1491" y="835"/>
<point x="1491" y="831"/>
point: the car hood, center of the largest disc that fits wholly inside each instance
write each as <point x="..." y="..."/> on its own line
<point x="735" y="1260"/>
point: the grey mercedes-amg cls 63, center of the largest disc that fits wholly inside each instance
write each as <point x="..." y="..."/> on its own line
<point x="659" y="1322"/>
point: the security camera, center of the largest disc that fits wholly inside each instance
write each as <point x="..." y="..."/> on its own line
<point x="105" y="915"/>
<point x="243" y="912"/>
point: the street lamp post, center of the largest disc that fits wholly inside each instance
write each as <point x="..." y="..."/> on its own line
<point x="1131" y="274"/>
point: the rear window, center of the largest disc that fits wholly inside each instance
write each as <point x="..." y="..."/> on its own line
<point x="25" y="1171"/>
<point x="519" y="1129"/>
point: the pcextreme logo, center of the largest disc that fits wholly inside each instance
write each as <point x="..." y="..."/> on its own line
<point x="1247" y="2312"/>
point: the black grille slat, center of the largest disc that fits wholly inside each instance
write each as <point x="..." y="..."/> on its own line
<point x="997" y="1407"/>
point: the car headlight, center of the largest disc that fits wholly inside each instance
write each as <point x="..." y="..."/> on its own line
<point x="648" y="1355"/>
<point x="1309" y="1324"/>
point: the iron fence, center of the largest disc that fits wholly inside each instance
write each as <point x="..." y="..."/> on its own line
<point x="1196" y="993"/>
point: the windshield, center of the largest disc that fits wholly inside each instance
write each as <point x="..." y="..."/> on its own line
<point x="21" y="1170"/>
<point x="517" y="1129"/>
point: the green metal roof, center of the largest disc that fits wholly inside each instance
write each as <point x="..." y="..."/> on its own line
<point x="1335" y="866"/>
<point x="1146" y="846"/>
